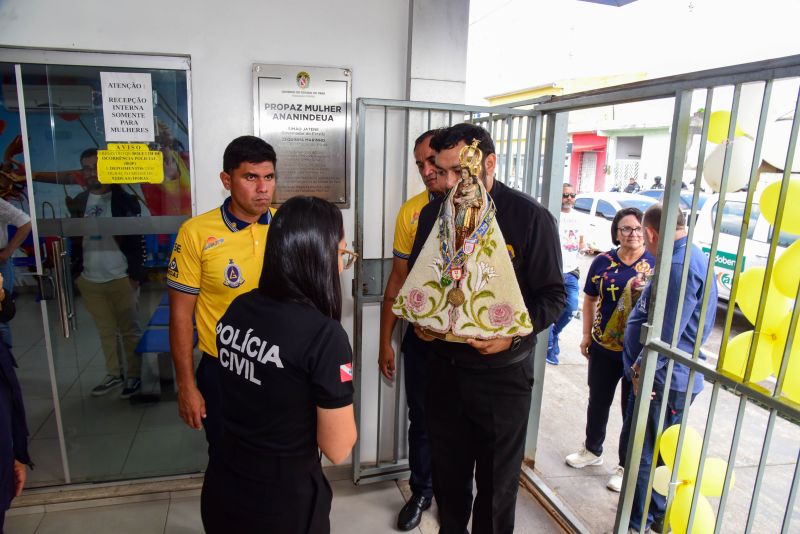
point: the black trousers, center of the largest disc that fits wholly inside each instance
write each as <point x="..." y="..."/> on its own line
<point x="248" y="492"/>
<point x="605" y="371"/>
<point x="415" y="371"/>
<point x="208" y="382"/>
<point x="477" y="420"/>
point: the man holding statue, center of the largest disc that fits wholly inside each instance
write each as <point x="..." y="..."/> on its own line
<point x="485" y="278"/>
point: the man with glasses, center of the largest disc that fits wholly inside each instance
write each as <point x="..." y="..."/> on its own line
<point x="571" y="235"/>
<point x="690" y="329"/>
<point x="217" y="256"/>
<point x="414" y="360"/>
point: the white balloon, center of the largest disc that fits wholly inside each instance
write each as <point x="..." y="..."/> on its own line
<point x="661" y="480"/>
<point x="741" y="161"/>
<point x="776" y="145"/>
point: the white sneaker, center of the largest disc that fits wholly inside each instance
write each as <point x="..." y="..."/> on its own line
<point x="582" y="458"/>
<point x="615" y="482"/>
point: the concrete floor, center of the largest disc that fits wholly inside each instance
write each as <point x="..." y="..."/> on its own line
<point x="369" y="509"/>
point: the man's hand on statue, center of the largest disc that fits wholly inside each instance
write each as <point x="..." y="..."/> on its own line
<point x="585" y="342"/>
<point x="386" y="362"/>
<point x="490" y="346"/>
<point x="422" y="335"/>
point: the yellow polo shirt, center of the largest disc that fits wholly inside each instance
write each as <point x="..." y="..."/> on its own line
<point x="405" y="227"/>
<point x="217" y="257"/>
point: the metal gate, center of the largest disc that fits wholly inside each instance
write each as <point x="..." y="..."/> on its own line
<point x="539" y="137"/>
<point x="697" y="94"/>
<point x="384" y="180"/>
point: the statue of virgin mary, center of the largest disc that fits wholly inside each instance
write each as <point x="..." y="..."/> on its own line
<point x="463" y="283"/>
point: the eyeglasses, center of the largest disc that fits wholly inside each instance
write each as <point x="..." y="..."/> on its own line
<point x="568" y="195"/>
<point x="348" y="257"/>
<point x="629" y="230"/>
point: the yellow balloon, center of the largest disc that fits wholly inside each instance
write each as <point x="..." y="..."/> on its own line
<point x="787" y="271"/>
<point x="769" y="205"/>
<point x="718" y="124"/>
<point x="738" y="350"/>
<point x="704" y="519"/>
<point x="791" y="382"/>
<point x="690" y="453"/>
<point x="748" y="296"/>
<point x="714" y="477"/>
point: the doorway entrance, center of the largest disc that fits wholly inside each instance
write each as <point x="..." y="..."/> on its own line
<point x="90" y="280"/>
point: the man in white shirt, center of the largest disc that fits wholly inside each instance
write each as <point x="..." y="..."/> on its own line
<point x="10" y="216"/>
<point x="108" y="270"/>
<point x="570" y="232"/>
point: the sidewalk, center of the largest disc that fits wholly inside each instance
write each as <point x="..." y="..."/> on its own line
<point x="584" y="490"/>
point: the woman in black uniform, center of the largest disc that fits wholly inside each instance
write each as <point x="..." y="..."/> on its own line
<point x="286" y="382"/>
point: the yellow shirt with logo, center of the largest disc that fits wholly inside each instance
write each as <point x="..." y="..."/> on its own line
<point x="405" y="227"/>
<point x="216" y="261"/>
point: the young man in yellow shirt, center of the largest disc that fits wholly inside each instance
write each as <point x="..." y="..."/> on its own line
<point x="217" y="256"/>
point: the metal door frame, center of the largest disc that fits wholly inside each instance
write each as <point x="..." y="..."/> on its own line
<point x="19" y="56"/>
<point x="500" y="121"/>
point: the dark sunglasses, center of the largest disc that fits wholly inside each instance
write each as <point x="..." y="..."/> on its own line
<point x="568" y="195"/>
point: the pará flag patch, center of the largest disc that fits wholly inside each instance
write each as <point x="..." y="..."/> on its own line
<point x="346" y="372"/>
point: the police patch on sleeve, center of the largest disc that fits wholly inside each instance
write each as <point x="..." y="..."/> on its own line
<point x="233" y="275"/>
<point x="346" y="372"/>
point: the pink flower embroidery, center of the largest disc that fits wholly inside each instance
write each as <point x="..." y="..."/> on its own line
<point x="416" y="300"/>
<point x="501" y="315"/>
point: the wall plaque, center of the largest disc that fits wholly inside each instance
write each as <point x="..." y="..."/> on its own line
<point x="304" y="113"/>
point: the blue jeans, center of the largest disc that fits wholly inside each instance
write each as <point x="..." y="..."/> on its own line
<point x="571" y="287"/>
<point x="415" y="371"/>
<point x="7" y="270"/>
<point x="675" y="406"/>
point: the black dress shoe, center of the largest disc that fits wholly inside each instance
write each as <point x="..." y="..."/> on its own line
<point x="411" y="514"/>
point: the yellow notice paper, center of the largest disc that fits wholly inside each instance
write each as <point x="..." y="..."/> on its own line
<point x="130" y="163"/>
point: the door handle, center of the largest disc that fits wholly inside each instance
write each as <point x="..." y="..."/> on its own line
<point x="59" y="255"/>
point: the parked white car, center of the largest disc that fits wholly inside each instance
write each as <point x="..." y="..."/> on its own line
<point x="597" y="210"/>
<point x="756" y="248"/>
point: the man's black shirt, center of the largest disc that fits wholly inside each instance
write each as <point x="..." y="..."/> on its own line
<point x="530" y="232"/>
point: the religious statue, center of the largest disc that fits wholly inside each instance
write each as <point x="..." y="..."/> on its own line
<point x="474" y="292"/>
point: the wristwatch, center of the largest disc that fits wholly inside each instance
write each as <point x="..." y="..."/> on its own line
<point x="634" y="372"/>
<point x="515" y="342"/>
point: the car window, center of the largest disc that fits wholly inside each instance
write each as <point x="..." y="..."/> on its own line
<point x="605" y="210"/>
<point x="732" y="215"/>
<point x="584" y="205"/>
<point x="786" y="239"/>
<point x="686" y="200"/>
<point x="640" y="203"/>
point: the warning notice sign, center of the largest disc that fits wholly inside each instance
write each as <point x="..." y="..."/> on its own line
<point x="128" y="106"/>
<point x="130" y="163"/>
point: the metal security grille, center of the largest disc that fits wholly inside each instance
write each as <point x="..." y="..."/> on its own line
<point x="764" y="422"/>
<point x="624" y="170"/>
<point x="385" y="178"/>
<point x="740" y="417"/>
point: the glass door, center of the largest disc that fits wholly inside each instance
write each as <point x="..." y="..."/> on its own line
<point x="98" y="153"/>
